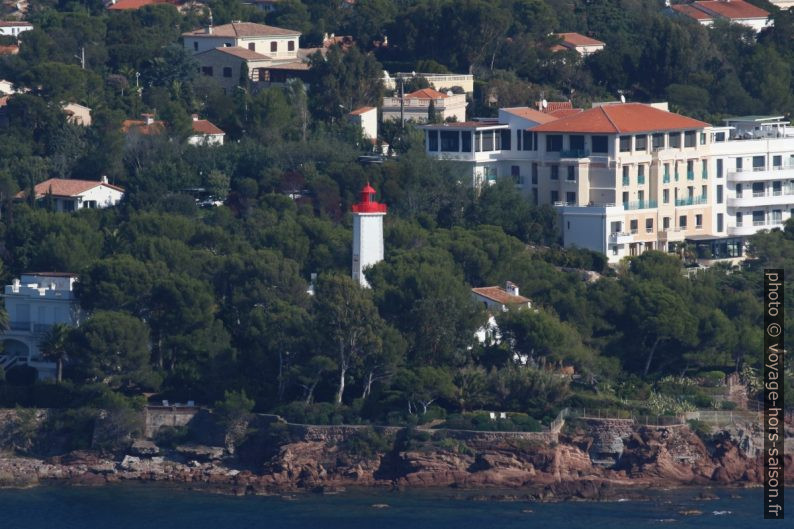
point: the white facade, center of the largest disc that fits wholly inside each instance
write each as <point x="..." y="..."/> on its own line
<point x="282" y="47"/>
<point x="417" y="105"/>
<point x="439" y="81"/>
<point x="35" y="303"/>
<point x="14" y="28"/>
<point x="367" y="119"/>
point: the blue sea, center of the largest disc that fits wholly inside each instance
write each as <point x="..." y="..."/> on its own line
<point x="156" y="507"/>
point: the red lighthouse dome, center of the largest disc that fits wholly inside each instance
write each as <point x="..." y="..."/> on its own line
<point x="366" y="202"/>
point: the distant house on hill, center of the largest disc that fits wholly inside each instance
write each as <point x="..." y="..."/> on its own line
<point x="147" y="126"/>
<point x="581" y="44"/>
<point x="70" y="195"/>
<point x="501" y="299"/>
<point x="417" y="106"/>
<point x="77" y="114"/>
<point x="205" y="133"/>
<point x="735" y="11"/>
<point x="130" y="5"/>
<point x="12" y="28"/>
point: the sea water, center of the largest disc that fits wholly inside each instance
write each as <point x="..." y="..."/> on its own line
<point x="132" y="506"/>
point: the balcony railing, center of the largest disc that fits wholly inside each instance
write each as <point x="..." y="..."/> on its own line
<point x="641" y="179"/>
<point x="575" y="153"/>
<point x="640" y="204"/>
<point x="625" y="180"/>
<point x="690" y="201"/>
<point x="690" y="175"/>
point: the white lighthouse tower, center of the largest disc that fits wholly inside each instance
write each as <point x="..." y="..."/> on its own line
<point x="367" y="233"/>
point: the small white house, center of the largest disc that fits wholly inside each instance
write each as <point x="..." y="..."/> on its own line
<point x="205" y="133"/>
<point x="367" y="120"/>
<point x="12" y="28"/>
<point x="71" y="195"/>
<point x="35" y="302"/>
<point x="581" y="44"/>
<point x="501" y="299"/>
<point x="417" y="105"/>
<point x="77" y="114"/>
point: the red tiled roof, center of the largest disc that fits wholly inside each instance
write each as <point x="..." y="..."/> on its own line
<point x="4" y="101"/>
<point x="564" y="112"/>
<point x="202" y="126"/>
<point x="733" y="10"/>
<point x="241" y="53"/>
<point x="558" y="47"/>
<point x="620" y="118"/>
<point x="551" y="106"/>
<point x="692" y="12"/>
<point x="14" y="24"/>
<point x="11" y="49"/>
<point x="577" y="39"/>
<point x="362" y="110"/>
<point x="500" y="295"/>
<point x="426" y="93"/>
<point x="141" y="127"/>
<point x="243" y="29"/>
<point x="124" y="5"/>
<point x="63" y="187"/>
<point x="530" y="113"/>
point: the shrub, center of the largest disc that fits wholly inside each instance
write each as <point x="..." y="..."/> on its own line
<point x="701" y="429"/>
<point x="171" y="436"/>
<point x="727" y="405"/>
<point x="366" y="443"/>
<point x="712" y="378"/>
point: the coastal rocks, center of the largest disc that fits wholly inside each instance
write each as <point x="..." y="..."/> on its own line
<point x="201" y="452"/>
<point x="144" y="448"/>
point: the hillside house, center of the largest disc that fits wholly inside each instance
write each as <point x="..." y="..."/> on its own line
<point x="205" y="133"/>
<point x="734" y="11"/>
<point x="12" y="28"/>
<point x="70" y="195"/>
<point x="579" y="43"/>
<point x="418" y="104"/>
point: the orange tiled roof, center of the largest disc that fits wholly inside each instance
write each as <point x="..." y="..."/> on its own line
<point x="202" y="126"/>
<point x="243" y="29"/>
<point x="500" y="295"/>
<point x="733" y="10"/>
<point x="426" y="93"/>
<point x="124" y="5"/>
<point x="564" y="112"/>
<point x="362" y="110"/>
<point x="63" y="187"/>
<point x="621" y="118"/>
<point x="242" y="53"/>
<point x="156" y="127"/>
<point x="11" y="49"/>
<point x="692" y="12"/>
<point x="530" y="113"/>
<point x="577" y="39"/>
<point x="14" y="24"/>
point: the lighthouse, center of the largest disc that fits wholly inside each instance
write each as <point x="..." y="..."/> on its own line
<point x="367" y="233"/>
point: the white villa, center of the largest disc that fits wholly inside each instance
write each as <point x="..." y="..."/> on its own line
<point x="71" y="195"/>
<point x="12" y="28"/>
<point x="35" y="303"/>
<point x="417" y="105"/>
<point x="629" y="177"/>
<point x="438" y="81"/>
<point x="705" y="12"/>
<point x="205" y="133"/>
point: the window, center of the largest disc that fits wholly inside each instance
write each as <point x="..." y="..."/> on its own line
<point x="273" y="47"/>
<point x="535" y="174"/>
<point x="719" y="194"/>
<point x="227" y="71"/>
<point x="641" y="197"/>
<point x="719" y="167"/>
<point x="228" y="44"/>
<point x="666" y="177"/>
<point x="515" y="172"/>
<point x="739" y="219"/>
<point x="738" y="190"/>
<point x="719" y="137"/>
<point x="738" y="164"/>
<point x="625" y="175"/>
<point x="576" y="141"/>
<point x="777" y="216"/>
<point x="506" y="138"/>
<point x="291" y="45"/>
<point x="252" y="46"/>
<point x="487" y="141"/>
<point x="658" y="141"/>
<point x="720" y="222"/>
<point x="640" y="143"/>
<point x="571" y="173"/>
<point x="648" y="225"/>
<point x="640" y="174"/>
<point x="465" y="137"/>
<point x="626" y="199"/>
<point x="689" y="138"/>
<point x="195" y="45"/>
<point x="555" y="197"/>
<point x="690" y="170"/>
<point x="665" y="223"/>
<point x="682" y="221"/>
<point x="625" y="143"/>
<point x="758" y="189"/>
<point x="758" y="163"/>
<point x="699" y="221"/>
<point x="530" y="140"/>
<point x="264" y="75"/>
<point x="600" y="144"/>
<point x="633" y="225"/>
<point x="519" y="134"/>
<point x="704" y="169"/>
<point x="615" y="227"/>
<point x="674" y="140"/>
<point x="432" y="140"/>
<point x="690" y="191"/>
<point x="206" y="70"/>
<point x="704" y="192"/>
<point x="570" y="197"/>
<point x="758" y="218"/>
<point x="777" y="161"/>
<point x="450" y="141"/>
<point x="665" y="196"/>
<point x="553" y="143"/>
<point x="555" y="172"/>
<point x="777" y="188"/>
<point x="490" y="174"/>
<point x="702" y="138"/>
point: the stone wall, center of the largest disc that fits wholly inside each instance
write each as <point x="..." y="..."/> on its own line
<point x="157" y="417"/>
<point x="608" y="436"/>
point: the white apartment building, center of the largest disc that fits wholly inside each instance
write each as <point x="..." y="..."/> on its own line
<point x="631" y="177"/>
<point x="35" y="303"/>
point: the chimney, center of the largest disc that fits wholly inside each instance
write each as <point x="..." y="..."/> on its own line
<point x="15" y="285"/>
<point x="148" y="118"/>
<point x="209" y="25"/>
<point x="195" y="117"/>
<point x="104" y="179"/>
<point x="511" y="288"/>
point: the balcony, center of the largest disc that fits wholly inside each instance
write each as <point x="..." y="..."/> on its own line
<point x="620" y="237"/>
<point x="690" y="175"/>
<point x="758" y="174"/>
<point x="641" y="179"/>
<point x="640" y="204"/>
<point x="691" y="201"/>
<point x="671" y="234"/>
<point x="574" y="153"/>
<point x="666" y="178"/>
<point x="767" y="198"/>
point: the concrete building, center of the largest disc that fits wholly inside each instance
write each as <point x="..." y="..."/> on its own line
<point x="442" y="82"/>
<point x="501" y="299"/>
<point x="734" y="11"/>
<point x="367" y="233"/>
<point x="12" y="28"/>
<point x="367" y="120"/>
<point x="205" y="133"/>
<point x="579" y="43"/>
<point x="77" y="114"/>
<point x="70" y="195"/>
<point x="417" y="106"/>
<point x="276" y="43"/>
<point x="35" y="303"/>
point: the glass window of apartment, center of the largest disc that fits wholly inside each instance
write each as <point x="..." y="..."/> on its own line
<point x="465" y="137"/>
<point x="720" y="222"/>
<point x="555" y="197"/>
<point x="658" y="141"/>
<point x="719" y="137"/>
<point x="633" y="225"/>
<point x="739" y="190"/>
<point x="535" y="173"/>
<point x="777" y="161"/>
<point x="682" y="221"/>
<point x="719" y="194"/>
<point x="665" y="223"/>
<point x="758" y="218"/>
<point x="625" y="199"/>
<point x="777" y="216"/>
<point x="640" y="142"/>
<point x="704" y="169"/>
<point x="615" y="226"/>
<point x="490" y="174"/>
<point x="576" y="141"/>
<point x="674" y="140"/>
<point x="450" y="141"/>
<point x="665" y="196"/>
<point x="699" y="221"/>
<point x="625" y="144"/>
<point x="777" y="188"/>
<point x="666" y="176"/>
<point x="519" y="135"/>
<point x="487" y="141"/>
<point x="758" y="189"/>
<point x="625" y="175"/>
<point x="690" y="169"/>
<point x="600" y="144"/>
<point x="206" y="70"/>
<point x="739" y="163"/>
<point x="758" y="163"/>
<point x="570" y="197"/>
<point x="719" y="167"/>
<point x="432" y="140"/>
<point x="702" y="138"/>
<point x="497" y="140"/>
<point x="648" y="225"/>
<point x="506" y="137"/>
<point x="641" y="174"/>
<point x="704" y="191"/>
<point x="477" y="141"/>
<point x="515" y="172"/>
<point x="527" y="141"/>
<point x="739" y="219"/>
<point x="553" y="142"/>
<point x="689" y="138"/>
<point x="690" y="191"/>
<point x="571" y="173"/>
<point x="273" y="46"/>
<point x="555" y="172"/>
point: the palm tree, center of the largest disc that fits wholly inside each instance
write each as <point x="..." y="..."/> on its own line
<point x="53" y="347"/>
